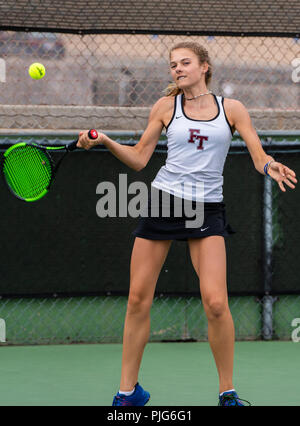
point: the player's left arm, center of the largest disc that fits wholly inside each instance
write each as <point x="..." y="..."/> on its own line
<point x="239" y="118"/>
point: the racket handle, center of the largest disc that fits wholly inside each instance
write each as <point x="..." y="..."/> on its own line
<point x="92" y="134"/>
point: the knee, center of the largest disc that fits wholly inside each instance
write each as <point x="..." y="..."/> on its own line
<point x="215" y="308"/>
<point x="138" y="304"/>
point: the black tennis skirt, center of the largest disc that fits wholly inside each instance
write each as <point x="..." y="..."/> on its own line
<point x="155" y="226"/>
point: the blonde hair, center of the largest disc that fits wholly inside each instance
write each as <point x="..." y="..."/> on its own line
<point x="203" y="56"/>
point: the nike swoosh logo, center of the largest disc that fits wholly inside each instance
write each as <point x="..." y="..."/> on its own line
<point x="204" y="229"/>
<point x="179" y="116"/>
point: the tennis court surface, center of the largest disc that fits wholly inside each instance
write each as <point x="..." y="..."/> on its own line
<point x="176" y="374"/>
<point x="65" y="270"/>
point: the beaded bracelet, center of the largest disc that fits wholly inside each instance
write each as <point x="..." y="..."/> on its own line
<point x="266" y="167"/>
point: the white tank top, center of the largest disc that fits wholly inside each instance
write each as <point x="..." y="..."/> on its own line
<point x="197" y="150"/>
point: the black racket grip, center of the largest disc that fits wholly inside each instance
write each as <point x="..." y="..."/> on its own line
<point x="93" y="134"/>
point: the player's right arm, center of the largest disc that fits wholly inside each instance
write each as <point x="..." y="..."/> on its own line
<point x="137" y="156"/>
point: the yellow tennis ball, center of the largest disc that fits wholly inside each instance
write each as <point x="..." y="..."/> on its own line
<point x="37" y="71"/>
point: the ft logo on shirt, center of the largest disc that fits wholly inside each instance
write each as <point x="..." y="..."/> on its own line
<point x="196" y="137"/>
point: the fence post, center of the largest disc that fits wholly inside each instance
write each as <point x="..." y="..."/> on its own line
<point x="2" y="331"/>
<point x="267" y="314"/>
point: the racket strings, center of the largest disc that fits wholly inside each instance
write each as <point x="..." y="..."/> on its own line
<point x="28" y="171"/>
<point x="20" y="184"/>
<point x="37" y="176"/>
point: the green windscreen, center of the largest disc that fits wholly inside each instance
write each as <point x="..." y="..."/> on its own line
<point x="27" y="171"/>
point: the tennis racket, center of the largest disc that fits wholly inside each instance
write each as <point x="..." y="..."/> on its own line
<point x="29" y="170"/>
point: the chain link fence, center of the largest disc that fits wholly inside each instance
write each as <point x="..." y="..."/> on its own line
<point x="100" y="319"/>
<point x="110" y="81"/>
<point x="126" y="70"/>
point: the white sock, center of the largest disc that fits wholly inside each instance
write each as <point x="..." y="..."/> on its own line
<point x="229" y="390"/>
<point x="127" y="393"/>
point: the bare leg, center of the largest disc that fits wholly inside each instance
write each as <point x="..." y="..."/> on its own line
<point x="148" y="257"/>
<point x="209" y="259"/>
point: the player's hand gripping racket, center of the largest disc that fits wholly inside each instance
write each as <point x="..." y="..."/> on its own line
<point x="29" y="170"/>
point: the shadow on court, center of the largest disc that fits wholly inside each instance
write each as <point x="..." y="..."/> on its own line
<point x="175" y="374"/>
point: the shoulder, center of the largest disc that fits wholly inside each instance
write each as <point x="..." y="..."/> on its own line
<point x="234" y="105"/>
<point x="162" y="110"/>
<point x="164" y="104"/>
<point x="235" y="109"/>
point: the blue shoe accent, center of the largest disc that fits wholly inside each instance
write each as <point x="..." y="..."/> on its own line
<point x="231" y="398"/>
<point x="139" y="398"/>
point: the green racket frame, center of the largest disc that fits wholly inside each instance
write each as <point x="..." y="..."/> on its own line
<point x="14" y="174"/>
<point x="29" y="177"/>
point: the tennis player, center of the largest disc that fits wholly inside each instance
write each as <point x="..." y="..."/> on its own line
<point x="199" y="127"/>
